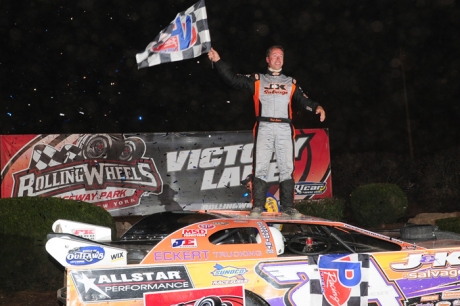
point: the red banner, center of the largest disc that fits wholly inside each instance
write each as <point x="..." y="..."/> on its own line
<point x="147" y="173"/>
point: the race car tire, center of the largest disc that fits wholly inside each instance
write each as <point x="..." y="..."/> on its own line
<point x="418" y="232"/>
<point x="252" y="299"/>
<point x="134" y="148"/>
<point x="95" y="146"/>
<point x="298" y="245"/>
<point x="210" y="301"/>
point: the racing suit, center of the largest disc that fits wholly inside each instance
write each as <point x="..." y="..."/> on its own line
<point x="274" y="97"/>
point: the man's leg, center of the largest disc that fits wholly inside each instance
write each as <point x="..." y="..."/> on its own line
<point x="284" y="147"/>
<point x="262" y="153"/>
<point x="259" y="194"/>
<point x="287" y="199"/>
<point x="287" y="194"/>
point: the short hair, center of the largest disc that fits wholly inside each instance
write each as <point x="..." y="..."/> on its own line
<point x="269" y="50"/>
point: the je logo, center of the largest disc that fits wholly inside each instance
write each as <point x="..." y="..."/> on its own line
<point x="183" y="36"/>
<point x="184" y="243"/>
<point x="338" y="276"/>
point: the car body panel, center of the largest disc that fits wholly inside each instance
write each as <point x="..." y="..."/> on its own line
<point x="190" y="258"/>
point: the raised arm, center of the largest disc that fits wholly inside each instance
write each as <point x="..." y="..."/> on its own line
<point x="237" y="81"/>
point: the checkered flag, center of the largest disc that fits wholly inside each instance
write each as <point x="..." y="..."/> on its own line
<point x="45" y="156"/>
<point x="327" y="289"/>
<point x="187" y="36"/>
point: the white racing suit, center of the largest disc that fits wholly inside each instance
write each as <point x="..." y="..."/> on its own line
<point x="274" y="97"/>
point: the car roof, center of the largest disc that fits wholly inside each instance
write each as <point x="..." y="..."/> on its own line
<point x="266" y="216"/>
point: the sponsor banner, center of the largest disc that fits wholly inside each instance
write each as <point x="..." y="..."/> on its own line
<point x="231" y="295"/>
<point x="146" y="173"/>
<point x="105" y="285"/>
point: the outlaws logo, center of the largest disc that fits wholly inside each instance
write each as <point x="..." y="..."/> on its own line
<point x="85" y="255"/>
<point x="108" y="170"/>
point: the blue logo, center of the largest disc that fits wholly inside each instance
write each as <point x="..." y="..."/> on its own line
<point x="85" y="255"/>
<point x="185" y="39"/>
<point x="183" y="36"/>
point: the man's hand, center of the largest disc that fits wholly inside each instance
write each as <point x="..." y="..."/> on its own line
<point x="213" y="55"/>
<point x="321" y="112"/>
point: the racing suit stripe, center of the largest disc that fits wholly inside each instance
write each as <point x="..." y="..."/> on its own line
<point x="256" y="98"/>
<point x="293" y="149"/>
<point x="290" y="99"/>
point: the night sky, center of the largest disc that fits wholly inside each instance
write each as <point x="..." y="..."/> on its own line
<point x="69" y="67"/>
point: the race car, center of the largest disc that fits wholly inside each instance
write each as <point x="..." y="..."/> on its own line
<point x="268" y="260"/>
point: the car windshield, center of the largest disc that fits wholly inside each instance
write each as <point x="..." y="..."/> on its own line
<point x="310" y="239"/>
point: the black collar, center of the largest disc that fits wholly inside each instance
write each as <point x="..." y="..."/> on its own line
<point x="274" y="73"/>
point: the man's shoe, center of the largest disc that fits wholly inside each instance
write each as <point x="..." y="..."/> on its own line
<point x="256" y="212"/>
<point x="293" y="213"/>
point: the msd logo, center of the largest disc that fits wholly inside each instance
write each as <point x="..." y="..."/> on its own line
<point x="194" y="233"/>
<point x="338" y="277"/>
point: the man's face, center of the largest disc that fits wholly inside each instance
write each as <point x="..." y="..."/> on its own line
<point x="276" y="59"/>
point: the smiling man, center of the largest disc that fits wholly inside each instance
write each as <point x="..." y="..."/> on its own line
<point x="275" y="95"/>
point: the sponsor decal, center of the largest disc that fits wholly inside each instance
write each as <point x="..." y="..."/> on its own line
<point x="436" y="260"/>
<point x="451" y="295"/>
<point x="432" y="269"/>
<point x="225" y="296"/>
<point x="429" y="269"/>
<point x="233" y="274"/>
<point x="194" y="233"/>
<point x="85" y="233"/>
<point x="117" y="256"/>
<point x="369" y="233"/>
<point x="237" y="254"/>
<point x="85" y="255"/>
<point x="206" y="226"/>
<point x="276" y="89"/>
<point x="184" y="243"/>
<point x="310" y="188"/>
<point x="181" y="255"/>
<point x="338" y="275"/>
<point x="265" y="235"/>
<point x="101" y="285"/>
<point x="220" y="223"/>
<point x="427" y="298"/>
<point x="227" y="206"/>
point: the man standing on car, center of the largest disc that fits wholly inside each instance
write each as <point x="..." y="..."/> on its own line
<point x="274" y="94"/>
